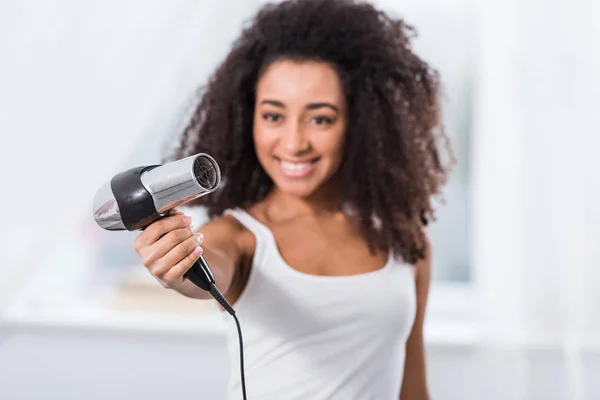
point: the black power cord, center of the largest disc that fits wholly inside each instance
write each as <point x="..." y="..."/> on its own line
<point x="201" y="275"/>
<point x="219" y="297"/>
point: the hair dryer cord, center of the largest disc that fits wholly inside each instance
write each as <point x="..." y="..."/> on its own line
<point x="219" y="297"/>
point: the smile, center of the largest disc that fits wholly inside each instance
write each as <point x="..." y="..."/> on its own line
<point x="296" y="169"/>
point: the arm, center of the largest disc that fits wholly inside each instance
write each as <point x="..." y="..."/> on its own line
<point x="414" y="383"/>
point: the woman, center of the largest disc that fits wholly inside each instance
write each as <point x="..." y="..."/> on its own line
<point x="325" y="126"/>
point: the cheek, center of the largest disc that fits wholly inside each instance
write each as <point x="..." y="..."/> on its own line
<point x="333" y="146"/>
<point x="263" y="142"/>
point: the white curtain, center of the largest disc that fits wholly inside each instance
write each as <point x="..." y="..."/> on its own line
<point x="536" y="180"/>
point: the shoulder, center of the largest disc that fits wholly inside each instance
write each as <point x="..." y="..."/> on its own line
<point x="219" y="230"/>
<point x="228" y="228"/>
<point x="224" y="224"/>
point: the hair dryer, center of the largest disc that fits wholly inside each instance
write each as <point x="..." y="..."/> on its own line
<point x="135" y="198"/>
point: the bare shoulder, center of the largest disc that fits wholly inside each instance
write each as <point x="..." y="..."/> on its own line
<point x="227" y="233"/>
<point x="224" y="229"/>
<point x="226" y="225"/>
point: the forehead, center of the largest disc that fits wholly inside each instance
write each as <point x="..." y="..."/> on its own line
<point x="295" y="81"/>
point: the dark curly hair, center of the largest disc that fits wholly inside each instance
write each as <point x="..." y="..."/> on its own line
<point x="392" y="163"/>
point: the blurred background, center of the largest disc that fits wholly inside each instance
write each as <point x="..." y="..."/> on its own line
<point x="89" y="88"/>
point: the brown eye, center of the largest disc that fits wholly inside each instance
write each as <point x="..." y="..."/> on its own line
<point x="272" y="117"/>
<point x="323" y="120"/>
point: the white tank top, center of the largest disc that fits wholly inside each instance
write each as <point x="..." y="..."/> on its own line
<point x="309" y="337"/>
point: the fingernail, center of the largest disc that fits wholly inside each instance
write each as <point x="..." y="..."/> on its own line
<point x="200" y="237"/>
<point x="198" y="250"/>
<point x="187" y="219"/>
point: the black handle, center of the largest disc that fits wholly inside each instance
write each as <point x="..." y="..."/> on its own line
<point x="200" y="274"/>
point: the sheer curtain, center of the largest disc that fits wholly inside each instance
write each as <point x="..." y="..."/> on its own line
<point x="536" y="183"/>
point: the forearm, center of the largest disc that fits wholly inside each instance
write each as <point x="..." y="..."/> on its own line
<point x="415" y="394"/>
<point x="222" y="267"/>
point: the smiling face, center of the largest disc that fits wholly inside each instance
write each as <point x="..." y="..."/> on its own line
<point x="299" y="124"/>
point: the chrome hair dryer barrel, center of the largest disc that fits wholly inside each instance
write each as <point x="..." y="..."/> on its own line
<point x="135" y="198"/>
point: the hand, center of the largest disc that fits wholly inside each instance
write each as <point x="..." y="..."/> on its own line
<point x="168" y="248"/>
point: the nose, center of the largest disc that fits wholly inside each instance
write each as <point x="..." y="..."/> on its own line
<point x="294" y="139"/>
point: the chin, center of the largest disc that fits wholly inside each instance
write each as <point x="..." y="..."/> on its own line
<point x="301" y="193"/>
<point x="296" y="190"/>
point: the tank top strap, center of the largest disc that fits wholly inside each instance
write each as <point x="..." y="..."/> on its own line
<point x="259" y="230"/>
<point x="253" y="225"/>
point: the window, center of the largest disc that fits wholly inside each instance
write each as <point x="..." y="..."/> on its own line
<point x="445" y="39"/>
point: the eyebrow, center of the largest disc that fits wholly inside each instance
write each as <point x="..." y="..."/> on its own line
<point x="311" y="106"/>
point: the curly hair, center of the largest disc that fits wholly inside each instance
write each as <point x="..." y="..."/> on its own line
<point x="392" y="165"/>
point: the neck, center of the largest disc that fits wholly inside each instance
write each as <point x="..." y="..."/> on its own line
<point x="323" y="201"/>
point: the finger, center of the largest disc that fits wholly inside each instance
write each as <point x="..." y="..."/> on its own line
<point x="175" y="212"/>
<point x="169" y="241"/>
<point x="174" y="256"/>
<point x="176" y="273"/>
<point x="157" y="229"/>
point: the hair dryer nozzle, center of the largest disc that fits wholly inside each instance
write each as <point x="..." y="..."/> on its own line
<point x="178" y="182"/>
<point x="207" y="172"/>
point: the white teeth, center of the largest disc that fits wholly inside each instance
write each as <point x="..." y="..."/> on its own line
<point x="294" y="166"/>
